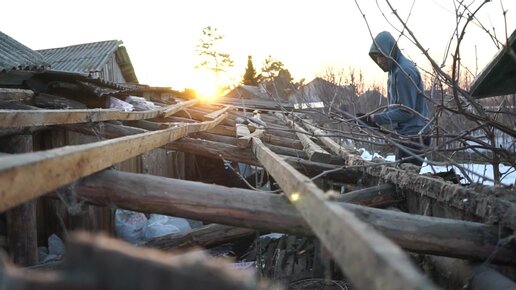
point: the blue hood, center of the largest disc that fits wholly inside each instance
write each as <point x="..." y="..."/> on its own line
<point x="386" y="45"/>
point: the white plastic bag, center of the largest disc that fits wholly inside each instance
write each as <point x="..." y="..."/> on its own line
<point x="160" y="225"/>
<point x="129" y="225"/>
<point x="140" y="104"/>
<point x="115" y="103"/>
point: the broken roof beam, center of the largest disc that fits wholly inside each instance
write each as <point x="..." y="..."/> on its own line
<point x="489" y="208"/>
<point x="259" y="210"/>
<point x="354" y="245"/>
<point x="27" y="118"/>
<point x="314" y="151"/>
<point x="29" y="175"/>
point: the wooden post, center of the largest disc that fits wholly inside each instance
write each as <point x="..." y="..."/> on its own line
<point x="21" y="220"/>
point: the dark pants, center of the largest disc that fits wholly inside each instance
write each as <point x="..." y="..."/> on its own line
<point x="413" y="146"/>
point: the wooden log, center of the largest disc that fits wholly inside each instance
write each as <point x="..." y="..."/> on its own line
<point x="25" y="118"/>
<point x="376" y="196"/>
<point x="486" y="207"/>
<point x="345" y="236"/>
<point x="22" y="237"/>
<point x="51" y="169"/>
<point x="261" y="211"/>
<point x="206" y="236"/>
<point x="314" y="151"/>
<point x="461" y="273"/>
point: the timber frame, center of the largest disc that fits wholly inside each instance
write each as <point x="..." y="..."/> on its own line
<point x="370" y="245"/>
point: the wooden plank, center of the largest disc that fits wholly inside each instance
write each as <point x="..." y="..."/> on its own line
<point x="244" y="141"/>
<point x="339" y="149"/>
<point x="369" y="259"/>
<point x="26" y="118"/>
<point x="314" y="151"/>
<point x="262" y="211"/>
<point x="172" y="109"/>
<point x="48" y="170"/>
<point x="213" y="115"/>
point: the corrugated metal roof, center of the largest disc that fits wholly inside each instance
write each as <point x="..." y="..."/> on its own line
<point x="90" y="57"/>
<point x="16" y="56"/>
<point x="498" y="78"/>
<point x="81" y="58"/>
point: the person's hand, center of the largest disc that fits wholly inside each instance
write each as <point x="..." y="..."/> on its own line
<point x="366" y="119"/>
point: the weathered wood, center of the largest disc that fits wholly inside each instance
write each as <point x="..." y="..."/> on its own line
<point x="223" y="130"/>
<point x="24" y="118"/>
<point x="206" y="236"/>
<point x="99" y="262"/>
<point x="460" y="273"/>
<point x="22" y="238"/>
<point x="334" y="172"/>
<point x="56" y="102"/>
<point x="262" y="211"/>
<point x="243" y="142"/>
<point x="487" y="207"/>
<point x="172" y="109"/>
<point x="190" y="145"/>
<point x="242" y="131"/>
<point x="376" y="196"/>
<point x="339" y="149"/>
<point x="314" y="151"/>
<point x="348" y="239"/>
<point x="213" y="115"/>
<point x="51" y="169"/>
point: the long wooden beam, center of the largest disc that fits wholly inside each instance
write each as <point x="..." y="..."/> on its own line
<point x="262" y="211"/>
<point x="26" y="176"/>
<point x="314" y="151"/>
<point x="369" y="259"/>
<point x="26" y="118"/>
<point x="485" y="206"/>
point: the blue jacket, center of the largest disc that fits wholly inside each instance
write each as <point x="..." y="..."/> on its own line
<point x="404" y="86"/>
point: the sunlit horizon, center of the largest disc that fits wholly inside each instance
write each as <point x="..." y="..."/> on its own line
<point x="307" y="37"/>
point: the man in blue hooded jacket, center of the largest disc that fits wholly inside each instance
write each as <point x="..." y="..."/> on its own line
<point x="407" y="111"/>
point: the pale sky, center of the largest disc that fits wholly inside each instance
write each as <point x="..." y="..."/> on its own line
<point x="307" y="36"/>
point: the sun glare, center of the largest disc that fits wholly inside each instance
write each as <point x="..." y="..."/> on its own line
<point x="207" y="92"/>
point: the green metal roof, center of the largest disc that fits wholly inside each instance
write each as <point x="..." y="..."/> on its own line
<point x="498" y="78"/>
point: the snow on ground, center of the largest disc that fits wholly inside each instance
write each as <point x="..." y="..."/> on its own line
<point x="480" y="173"/>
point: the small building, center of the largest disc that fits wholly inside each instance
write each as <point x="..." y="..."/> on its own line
<point x="107" y="60"/>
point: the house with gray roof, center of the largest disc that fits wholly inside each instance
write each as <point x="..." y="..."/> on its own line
<point x="107" y="60"/>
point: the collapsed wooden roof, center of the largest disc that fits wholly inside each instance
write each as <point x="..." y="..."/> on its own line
<point x="367" y="243"/>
